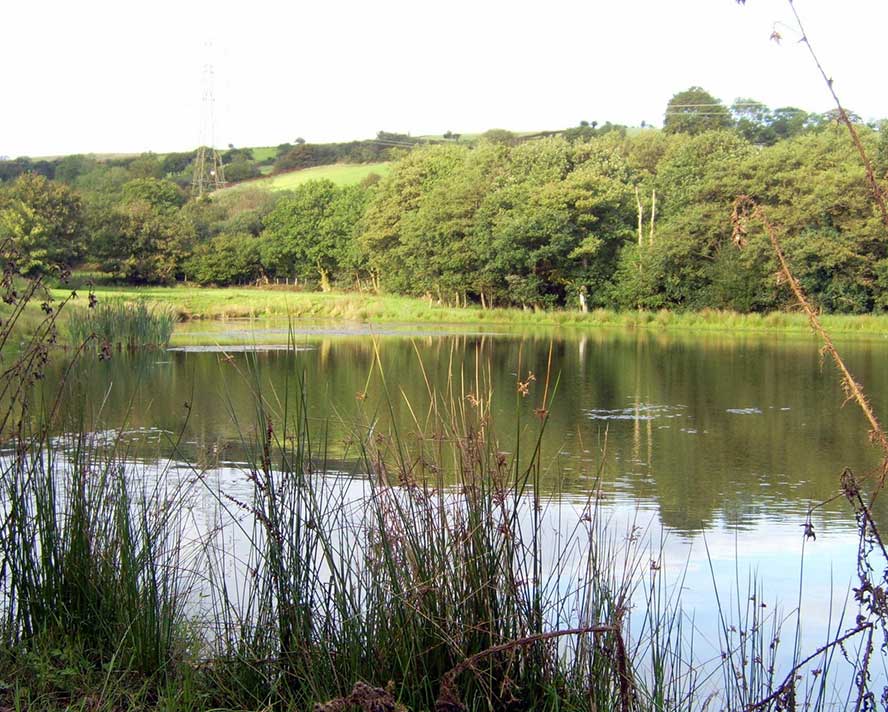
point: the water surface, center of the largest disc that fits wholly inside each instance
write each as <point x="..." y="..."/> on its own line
<point x="716" y="449"/>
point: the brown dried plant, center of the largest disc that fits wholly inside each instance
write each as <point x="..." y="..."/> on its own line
<point x="449" y="699"/>
<point x="871" y="595"/>
<point x="745" y="209"/>
<point x="875" y="187"/>
<point x="365" y="698"/>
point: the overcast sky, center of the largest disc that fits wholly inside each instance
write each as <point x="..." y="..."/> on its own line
<point x="112" y="76"/>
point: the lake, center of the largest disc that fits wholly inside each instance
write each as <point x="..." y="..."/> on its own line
<point x="709" y="449"/>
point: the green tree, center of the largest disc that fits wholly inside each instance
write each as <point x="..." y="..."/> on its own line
<point x="226" y="259"/>
<point x="438" y="247"/>
<point x="694" y="111"/>
<point x="307" y="233"/>
<point x="150" y="237"/>
<point x="44" y="220"/>
<point x="162" y="195"/>
<point x="697" y="181"/>
<point x="240" y="211"/>
<point x="148" y="165"/>
<point x="345" y="217"/>
<point x="501" y="136"/>
<point x="788" y="121"/>
<point x="754" y="121"/>
<point x="815" y="189"/>
<point x="551" y="230"/>
<point x="386" y="223"/>
<point x="72" y="167"/>
<point x="174" y="163"/>
<point x="239" y="170"/>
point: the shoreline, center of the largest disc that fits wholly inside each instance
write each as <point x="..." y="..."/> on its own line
<point x="253" y="303"/>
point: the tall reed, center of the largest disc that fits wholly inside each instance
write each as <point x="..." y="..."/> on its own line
<point x="424" y="575"/>
<point x="94" y="577"/>
<point x="121" y="325"/>
<point x="92" y="559"/>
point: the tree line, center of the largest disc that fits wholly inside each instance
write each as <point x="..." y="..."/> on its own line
<point x="90" y="173"/>
<point x="589" y="217"/>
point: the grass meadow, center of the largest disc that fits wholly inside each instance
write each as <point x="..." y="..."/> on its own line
<point x="338" y="173"/>
<point x="189" y="303"/>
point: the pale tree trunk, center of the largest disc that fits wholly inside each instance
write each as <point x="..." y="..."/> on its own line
<point x="653" y="216"/>
<point x="640" y="216"/>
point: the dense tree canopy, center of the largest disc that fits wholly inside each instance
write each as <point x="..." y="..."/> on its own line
<point x="307" y="234"/>
<point x="150" y="237"/>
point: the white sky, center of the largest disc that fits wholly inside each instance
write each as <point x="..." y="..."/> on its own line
<point x="120" y="76"/>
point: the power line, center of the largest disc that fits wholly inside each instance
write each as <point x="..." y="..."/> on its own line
<point x="719" y="104"/>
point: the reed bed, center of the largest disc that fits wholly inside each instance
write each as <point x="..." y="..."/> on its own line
<point x="121" y="325"/>
<point x="424" y="595"/>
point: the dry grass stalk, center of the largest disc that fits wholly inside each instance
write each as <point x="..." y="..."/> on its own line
<point x="745" y="208"/>
<point x="786" y="691"/>
<point x="366" y="698"/>
<point x="449" y="698"/>
<point x="872" y="596"/>
<point x="876" y="189"/>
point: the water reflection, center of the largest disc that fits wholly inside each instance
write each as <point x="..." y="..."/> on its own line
<point x="710" y="428"/>
<point x="765" y="566"/>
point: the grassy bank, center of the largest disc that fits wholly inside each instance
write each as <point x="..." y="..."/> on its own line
<point x="230" y="303"/>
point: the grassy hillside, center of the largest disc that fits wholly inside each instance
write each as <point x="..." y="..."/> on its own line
<point x="263" y="153"/>
<point x="339" y="173"/>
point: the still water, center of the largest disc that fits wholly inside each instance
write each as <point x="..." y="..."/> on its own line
<point x="714" y="448"/>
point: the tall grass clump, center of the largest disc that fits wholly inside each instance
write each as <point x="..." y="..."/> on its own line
<point x="94" y="576"/>
<point x="92" y="561"/>
<point x="424" y="579"/>
<point x="121" y="325"/>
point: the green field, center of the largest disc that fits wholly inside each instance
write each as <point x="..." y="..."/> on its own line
<point x="263" y="153"/>
<point x="338" y="173"/>
<point x="271" y="302"/>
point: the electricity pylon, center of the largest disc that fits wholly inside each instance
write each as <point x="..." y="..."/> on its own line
<point x="209" y="173"/>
